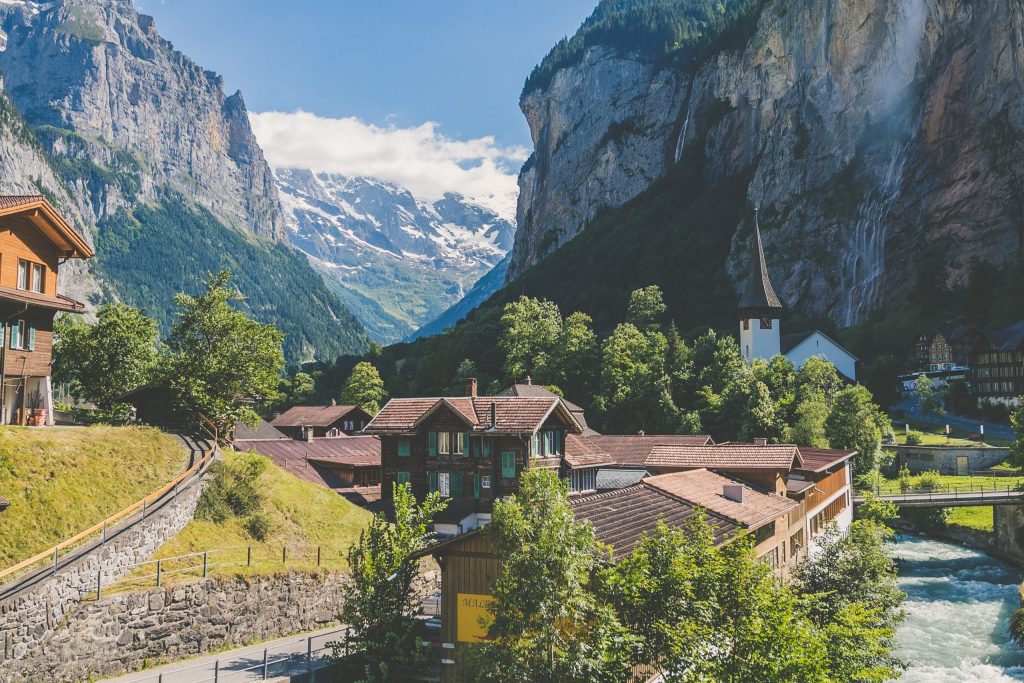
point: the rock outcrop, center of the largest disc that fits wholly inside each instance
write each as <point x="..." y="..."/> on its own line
<point x="872" y="130"/>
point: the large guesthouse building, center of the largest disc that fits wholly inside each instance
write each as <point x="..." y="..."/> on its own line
<point x="34" y="241"/>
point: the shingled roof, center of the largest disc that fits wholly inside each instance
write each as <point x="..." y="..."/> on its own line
<point x="513" y="414"/>
<point x="707" y="489"/>
<point x="536" y="391"/>
<point x="759" y="293"/>
<point x="634" y="449"/>
<point x="726" y="456"/>
<point x="312" y="416"/>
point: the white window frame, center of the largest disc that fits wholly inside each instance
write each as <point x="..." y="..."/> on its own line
<point x="444" y="444"/>
<point x="18" y="342"/>
<point x="38" y="278"/>
<point x="485" y="481"/>
<point x="444" y="484"/>
<point x="23" y="274"/>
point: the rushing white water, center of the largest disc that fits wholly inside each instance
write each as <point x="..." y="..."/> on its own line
<point x="959" y="603"/>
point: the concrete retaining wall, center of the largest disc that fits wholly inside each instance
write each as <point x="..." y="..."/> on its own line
<point x="944" y="458"/>
<point x="1008" y="531"/>
<point x="28" y="618"/>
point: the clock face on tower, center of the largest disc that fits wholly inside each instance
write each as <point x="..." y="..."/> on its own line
<point x="766" y="323"/>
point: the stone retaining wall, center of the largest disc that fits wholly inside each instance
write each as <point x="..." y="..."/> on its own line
<point x="943" y="458"/>
<point x="127" y="632"/>
<point x="28" y="618"/>
<point x="1008" y="531"/>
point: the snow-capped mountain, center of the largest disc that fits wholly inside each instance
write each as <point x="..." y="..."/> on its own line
<point x="396" y="261"/>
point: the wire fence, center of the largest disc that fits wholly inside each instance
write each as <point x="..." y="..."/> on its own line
<point x="287" y="658"/>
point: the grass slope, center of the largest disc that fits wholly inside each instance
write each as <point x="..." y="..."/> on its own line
<point x="62" y="480"/>
<point x="302" y="516"/>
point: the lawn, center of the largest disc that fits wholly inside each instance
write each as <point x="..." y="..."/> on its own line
<point x="63" y="480"/>
<point x="958" y="483"/>
<point x="977" y="518"/>
<point x="303" y="517"/>
<point x="935" y="435"/>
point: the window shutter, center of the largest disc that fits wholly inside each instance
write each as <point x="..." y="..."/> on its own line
<point x="465" y="444"/>
<point x="476" y="486"/>
<point x="456" y="484"/>
<point x="403" y="477"/>
<point x="485" y="446"/>
<point x="432" y="444"/>
<point x="508" y="465"/>
<point x="32" y="337"/>
<point x="535" y="445"/>
<point x="403" y="447"/>
<point x="15" y="334"/>
<point x="432" y="477"/>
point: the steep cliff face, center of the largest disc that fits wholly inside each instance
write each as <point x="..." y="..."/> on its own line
<point x="868" y="131"/>
<point x="97" y="79"/>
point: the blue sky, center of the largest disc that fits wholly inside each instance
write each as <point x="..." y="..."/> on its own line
<point x="390" y="64"/>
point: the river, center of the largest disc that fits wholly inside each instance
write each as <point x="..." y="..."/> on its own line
<point x="959" y="603"/>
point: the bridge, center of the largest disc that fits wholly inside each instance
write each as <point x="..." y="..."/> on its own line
<point x="952" y="497"/>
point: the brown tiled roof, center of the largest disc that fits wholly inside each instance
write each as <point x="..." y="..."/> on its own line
<point x="820" y="459"/>
<point x="706" y="489"/>
<point x="798" y="485"/>
<point x="311" y="416"/>
<point x="10" y="201"/>
<point x="634" y="449"/>
<point x="725" y="456"/>
<point x="48" y="220"/>
<point x="56" y="303"/>
<point x="620" y="518"/>
<point x="365" y="496"/>
<point x="311" y="460"/>
<point x="581" y="452"/>
<point x="515" y="414"/>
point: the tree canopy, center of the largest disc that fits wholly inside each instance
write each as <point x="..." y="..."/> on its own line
<point x="364" y="388"/>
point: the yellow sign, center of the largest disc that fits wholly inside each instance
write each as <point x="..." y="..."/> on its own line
<point x="472" y="617"/>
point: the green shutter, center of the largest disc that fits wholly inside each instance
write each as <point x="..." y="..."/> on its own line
<point x="403" y="447"/>
<point x="508" y="464"/>
<point x="476" y="486"/>
<point x="456" y="485"/>
<point x="465" y="444"/>
<point x="432" y="444"/>
<point x="403" y="477"/>
<point x="535" y="445"/>
<point x="14" y="334"/>
<point x="432" y="478"/>
<point x="31" y="337"/>
<point x="485" y="446"/>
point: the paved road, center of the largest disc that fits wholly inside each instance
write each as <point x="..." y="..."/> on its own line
<point x="285" y="656"/>
<point x="913" y="411"/>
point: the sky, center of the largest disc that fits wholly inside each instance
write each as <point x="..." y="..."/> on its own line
<point x="419" y="92"/>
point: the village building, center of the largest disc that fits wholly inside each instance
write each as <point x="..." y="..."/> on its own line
<point x="34" y="241"/>
<point x="760" y="311"/>
<point x="303" y="422"/>
<point x="997" y="365"/>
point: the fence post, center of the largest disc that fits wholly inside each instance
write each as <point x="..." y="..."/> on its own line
<point x="54" y="560"/>
<point x="216" y="670"/>
<point x="99" y="580"/>
<point x="264" y="663"/>
<point x="158" y="572"/>
<point x="284" y="554"/>
<point x="318" y="556"/>
<point x="248" y="557"/>
<point x="309" y="653"/>
<point x="205" y="552"/>
<point x="143" y="512"/>
<point x="104" y="532"/>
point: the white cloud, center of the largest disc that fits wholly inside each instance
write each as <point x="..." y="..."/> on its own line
<point x="420" y="158"/>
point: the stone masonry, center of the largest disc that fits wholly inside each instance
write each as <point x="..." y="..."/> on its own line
<point x="28" y="618"/>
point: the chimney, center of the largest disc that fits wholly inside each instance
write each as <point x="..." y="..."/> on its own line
<point x="494" y="415"/>
<point x="308" y="433"/>
<point x="760" y="441"/>
<point x="334" y="402"/>
<point x="640" y="433"/>
<point x="471" y="386"/>
<point x="734" y="492"/>
<point x="528" y="380"/>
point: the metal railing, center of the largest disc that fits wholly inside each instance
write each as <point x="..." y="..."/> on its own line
<point x="961" y="494"/>
<point x="289" y="658"/>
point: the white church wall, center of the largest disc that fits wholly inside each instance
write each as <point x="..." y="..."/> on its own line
<point x="758" y="343"/>
<point x="818" y="344"/>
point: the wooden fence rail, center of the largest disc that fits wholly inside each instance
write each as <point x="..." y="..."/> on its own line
<point x="51" y="554"/>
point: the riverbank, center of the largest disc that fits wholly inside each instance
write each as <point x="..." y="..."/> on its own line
<point x="969" y="538"/>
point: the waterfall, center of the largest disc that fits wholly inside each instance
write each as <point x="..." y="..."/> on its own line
<point x="862" y="253"/>
<point x="682" y="133"/>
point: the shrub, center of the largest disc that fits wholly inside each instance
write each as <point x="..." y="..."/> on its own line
<point x="232" y="490"/>
<point x="869" y="481"/>
<point x="904" y="480"/>
<point x="915" y="438"/>
<point x="258" y="525"/>
<point x="928" y="481"/>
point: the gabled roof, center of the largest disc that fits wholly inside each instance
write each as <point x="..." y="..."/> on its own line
<point x="537" y="391"/>
<point x="313" y="416"/>
<point x="727" y="456"/>
<point x="50" y="223"/>
<point x="580" y="451"/>
<point x="820" y="459"/>
<point x="707" y="489"/>
<point x="621" y="518"/>
<point x="514" y="414"/>
<point x="311" y="460"/>
<point x="634" y="449"/>
<point x="788" y="342"/>
<point x="1007" y="339"/>
<point x="56" y="303"/>
<point x="759" y="292"/>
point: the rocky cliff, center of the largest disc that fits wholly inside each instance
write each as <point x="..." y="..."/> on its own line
<point x="868" y="131"/>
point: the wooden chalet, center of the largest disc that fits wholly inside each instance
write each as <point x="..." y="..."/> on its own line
<point x="34" y="241"/>
<point x="997" y="365"/>
<point x="305" y="422"/>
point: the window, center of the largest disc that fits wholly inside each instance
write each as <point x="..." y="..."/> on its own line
<point x="23" y="336"/>
<point x="23" y="266"/>
<point x="485" y="481"/>
<point x="485" y="447"/>
<point x="456" y="484"/>
<point x="766" y="323"/>
<point x="535" y="445"/>
<point x="584" y="480"/>
<point x="461" y="441"/>
<point x="38" y="277"/>
<point x="444" y="484"/>
<point x="444" y="443"/>
<point x="403" y="477"/>
<point x="508" y="464"/>
<point x="432" y="481"/>
<point x="764" y="533"/>
<point x="333" y="432"/>
<point x="432" y="444"/>
<point x="403" y="447"/>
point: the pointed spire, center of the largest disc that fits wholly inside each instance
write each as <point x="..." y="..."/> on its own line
<point x="759" y="293"/>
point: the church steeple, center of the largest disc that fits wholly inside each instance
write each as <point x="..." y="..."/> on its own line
<point x="759" y="307"/>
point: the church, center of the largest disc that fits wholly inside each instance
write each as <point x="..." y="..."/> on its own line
<point x="760" y="333"/>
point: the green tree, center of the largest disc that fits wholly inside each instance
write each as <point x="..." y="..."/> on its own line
<point x="818" y="379"/>
<point x="105" y="360"/>
<point x="856" y="423"/>
<point x="646" y="307"/>
<point x="1017" y="447"/>
<point x="547" y="626"/>
<point x="378" y="603"/>
<point x="220" y="361"/>
<point x="573" y="362"/>
<point x="809" y="422"/>
<point x="634" y="392"/>
<point x="928" y="396"/>
<point x="364" y="388"/>
<point x="299" y="389"/>
<point x="529" y="333"/>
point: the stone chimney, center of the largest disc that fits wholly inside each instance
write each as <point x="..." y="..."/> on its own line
<point x="760" y="441"/>
<point x="528" y="380"/>
<point x="494" y="415"/>
<point x="734" y="492"/>
<point x="471" y="386"/>
<point x="334" y="401"/>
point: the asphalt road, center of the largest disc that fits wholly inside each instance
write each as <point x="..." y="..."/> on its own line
<point x="285" y="656"/>
<point x="911" y="409"/>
